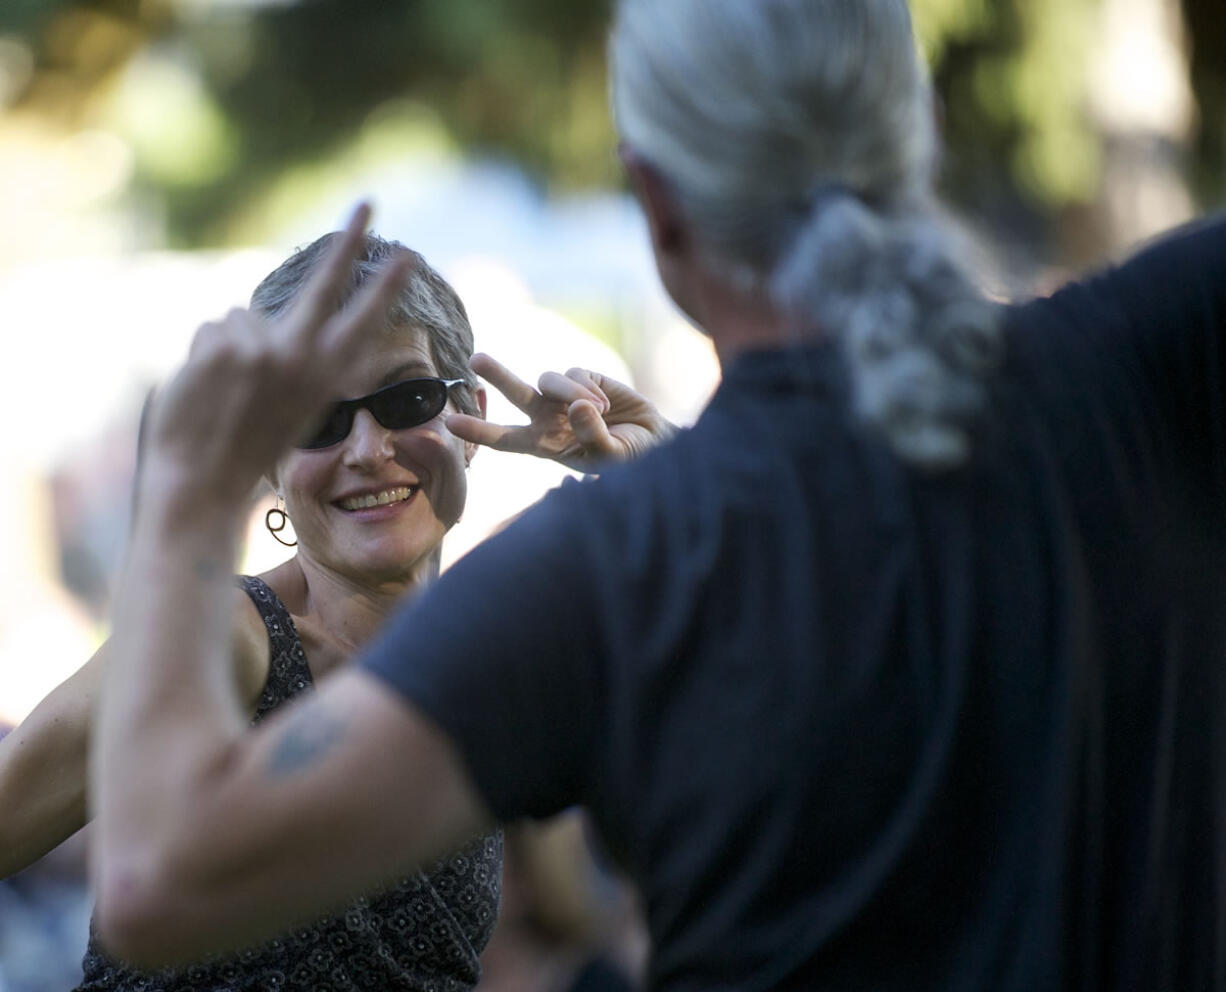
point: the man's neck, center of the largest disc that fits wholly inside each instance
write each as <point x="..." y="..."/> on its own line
<point x="740" y="320"/>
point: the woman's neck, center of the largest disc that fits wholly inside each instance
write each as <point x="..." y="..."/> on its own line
<point x="350" y="612"/>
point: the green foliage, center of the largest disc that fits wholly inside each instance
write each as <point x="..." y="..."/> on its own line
<point x="284" y="91"/>
<point x="1206" y="25"/>
<point x="181" y="138"/>
<point x="522" y="78"/>
<point x="1012" y="77"/>
<point x="27" y="17"/>
<point x="941" y="23"/>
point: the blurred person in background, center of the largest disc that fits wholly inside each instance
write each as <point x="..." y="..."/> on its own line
<point x="567" y="923"/>
<point x="901" y="669"/>
<point x="371" y="490"/>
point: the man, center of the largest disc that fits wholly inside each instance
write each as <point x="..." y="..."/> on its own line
<point x="901" y="669"/>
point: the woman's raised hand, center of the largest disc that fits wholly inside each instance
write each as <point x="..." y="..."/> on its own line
<point x="250" y="386"/>
<point x="581" y="419"/>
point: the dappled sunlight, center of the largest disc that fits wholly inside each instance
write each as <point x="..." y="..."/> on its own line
<point x="1138" y="70"/>
<point x="179" y="134"/>
<point x="1141" y="95"/>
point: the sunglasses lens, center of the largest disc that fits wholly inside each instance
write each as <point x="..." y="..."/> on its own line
<point x="409" y="404"/>
<point x="406" y="404"/>
<point x="333" y="428"/>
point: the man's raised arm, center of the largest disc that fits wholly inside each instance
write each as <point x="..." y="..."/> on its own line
<point x="204" y="826"/>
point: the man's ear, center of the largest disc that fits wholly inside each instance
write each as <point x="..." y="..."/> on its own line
<point x="659" y="203"/>
<point x="470" y="449"/>
<point x="672" y="241"/>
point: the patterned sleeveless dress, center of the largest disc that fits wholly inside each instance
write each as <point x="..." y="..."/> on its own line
<point x="424" y="935"/>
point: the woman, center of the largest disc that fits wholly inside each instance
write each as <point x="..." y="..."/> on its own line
<point x="902" y="669"/>
<point x="371" y="491"/>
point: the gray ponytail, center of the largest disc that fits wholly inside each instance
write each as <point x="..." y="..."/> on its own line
<point x="747" y="107"/>
<point x="918" y="336"/>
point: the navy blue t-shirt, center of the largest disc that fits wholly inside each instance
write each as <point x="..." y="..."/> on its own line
<point x="852" y="726"/>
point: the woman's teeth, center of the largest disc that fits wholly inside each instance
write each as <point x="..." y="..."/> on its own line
<point x="397" y="495"/>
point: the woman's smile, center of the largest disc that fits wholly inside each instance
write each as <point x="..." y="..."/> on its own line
<point x="377" y="499"/>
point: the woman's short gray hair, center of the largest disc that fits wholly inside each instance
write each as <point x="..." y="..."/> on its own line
<point x="799" y="139"/>
<point x="426" y="302"/>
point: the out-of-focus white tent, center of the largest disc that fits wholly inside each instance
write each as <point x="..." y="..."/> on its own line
<point x="89" y="335"/>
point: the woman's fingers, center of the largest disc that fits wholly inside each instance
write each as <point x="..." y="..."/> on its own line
<point x="621" y="396"/>
<point x="477" y="431"/>
<point x="591" y="431"/>
<point x="592" y="381"/>
<point x="570" y="388"/>
<point x="568" y="417"/>
<point x="521" y="395"/>
<point x="500" y="437"/>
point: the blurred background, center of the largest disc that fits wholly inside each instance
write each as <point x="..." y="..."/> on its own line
<point x="158" y="157"/>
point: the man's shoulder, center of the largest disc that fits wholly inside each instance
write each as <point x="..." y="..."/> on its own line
<point x="654" y="483"/>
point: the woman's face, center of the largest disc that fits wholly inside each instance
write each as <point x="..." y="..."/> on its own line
<point x="421" y="470"/>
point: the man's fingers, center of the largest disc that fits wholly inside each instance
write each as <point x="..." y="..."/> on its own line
<point x="521" y="395"/>
<point x="347" y="329"/>
<point x="591" y="431"/>
<point x="568" y="389"/>
<point x="321" y="296"/>
<point x="205" y="338"/>
<point x="478" y="431"/>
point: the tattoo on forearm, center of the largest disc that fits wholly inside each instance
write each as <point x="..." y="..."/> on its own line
<point x="310" y="734"/>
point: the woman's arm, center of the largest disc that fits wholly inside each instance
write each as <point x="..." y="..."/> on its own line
<point x="43" y="771"/>
<point x="44" y="762"/>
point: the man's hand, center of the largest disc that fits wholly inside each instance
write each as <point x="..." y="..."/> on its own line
<point x="250" y="385"/>
<point x="581" y="419"/>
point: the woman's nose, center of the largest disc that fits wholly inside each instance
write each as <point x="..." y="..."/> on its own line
<point x="368" y="442"/>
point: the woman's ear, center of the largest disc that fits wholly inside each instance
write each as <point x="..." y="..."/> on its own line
<point x="470" y="449"/>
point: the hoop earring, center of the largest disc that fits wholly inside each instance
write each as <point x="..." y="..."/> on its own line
<point x="275" y="520"/>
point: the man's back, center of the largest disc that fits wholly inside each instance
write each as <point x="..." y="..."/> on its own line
<point x="852" y="726"/>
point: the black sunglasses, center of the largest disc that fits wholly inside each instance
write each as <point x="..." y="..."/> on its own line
<point x="397" y="407"/>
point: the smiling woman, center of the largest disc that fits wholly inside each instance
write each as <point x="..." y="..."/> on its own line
<point x="372" y="489"/>
<point x="305" y="618"/>
<point x="380" y="479"/>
